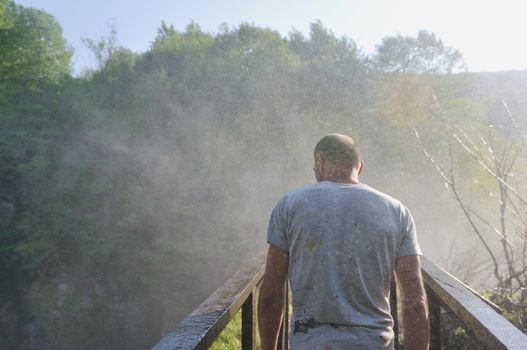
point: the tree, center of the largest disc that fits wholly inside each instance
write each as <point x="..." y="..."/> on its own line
<point x="494" y="201"/>
<point x="34" y="67"/>
<point x="405" y="99"/>
<point x="424" y="54"/>
<point x="32" y="49"/>
<point x="104" y="48"/>
<point x="4" y="19"/>
<point x="322" y="45"/>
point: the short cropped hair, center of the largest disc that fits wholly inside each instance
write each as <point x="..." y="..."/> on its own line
<point x="339" y="150"/>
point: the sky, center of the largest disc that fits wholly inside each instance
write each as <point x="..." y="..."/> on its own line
<point x="489" y="33"/>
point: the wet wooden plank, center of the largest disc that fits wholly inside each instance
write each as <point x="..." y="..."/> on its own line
<point x="203" y="325"/>
<point x="491" y="329"/>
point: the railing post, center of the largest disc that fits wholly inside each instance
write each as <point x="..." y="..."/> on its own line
<point x="249" y="322"/>
<point x="393" y="309"/>
<point x="283" y="338"/>
<point x="286" y="317"/>
<point x="434" y="312"/>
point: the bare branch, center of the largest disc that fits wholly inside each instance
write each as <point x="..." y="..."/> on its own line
<point x="430" y="158"/>
<point x="489" y="170"/>
<point x="449" y="181"/>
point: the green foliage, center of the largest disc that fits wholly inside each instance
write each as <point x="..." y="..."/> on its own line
<point x="230" y="337"/>
<point x="5" y="20"/>
<point x="105" y="48"/>
<point x="322" y="45"/>
<point x="458" y="338"/>
<point x="104" y="178"/>
<point x="32" y="50"/>
<point x="424" y="54"/>
<point x="513" y="307"/>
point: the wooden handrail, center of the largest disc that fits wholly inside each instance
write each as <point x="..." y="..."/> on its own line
<point x="203" y="325"/>
<point x="490" y="328"/>
<point x="478" y="315"/>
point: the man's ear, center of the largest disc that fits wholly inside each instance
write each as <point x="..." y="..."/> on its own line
<point x="361" y="167"/>
<point x="319" y="161"/>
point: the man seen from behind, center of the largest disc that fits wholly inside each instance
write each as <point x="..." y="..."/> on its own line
<point x="339" y="242"/>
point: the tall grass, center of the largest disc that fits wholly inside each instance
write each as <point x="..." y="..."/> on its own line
<point x="231" y="337"/>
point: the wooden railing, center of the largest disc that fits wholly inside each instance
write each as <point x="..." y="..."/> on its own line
<point x="478" y="316"/>
<point x="446" y="295"/>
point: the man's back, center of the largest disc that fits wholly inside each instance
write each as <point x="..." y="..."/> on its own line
<point x="343" y="241"/>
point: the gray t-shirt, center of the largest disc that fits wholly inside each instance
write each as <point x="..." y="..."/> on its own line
<point x="342" y="240"/>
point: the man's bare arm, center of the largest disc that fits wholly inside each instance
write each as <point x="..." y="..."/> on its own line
<point x="414" y="304"/>
<point x="271" y="303"/>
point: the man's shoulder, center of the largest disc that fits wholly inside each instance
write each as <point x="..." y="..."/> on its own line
<point x="392" y="202"/>
<point x="384" y="195"/>
<point x="297" y="193"/>
<point x="301" y="190"/>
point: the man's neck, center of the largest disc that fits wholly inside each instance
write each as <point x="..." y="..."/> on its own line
<point x="343" y="180"/>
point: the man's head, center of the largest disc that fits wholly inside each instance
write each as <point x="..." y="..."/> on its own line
<point x="337" y="159"/>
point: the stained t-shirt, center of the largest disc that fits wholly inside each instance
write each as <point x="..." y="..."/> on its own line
<point x="343" y="240"/>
